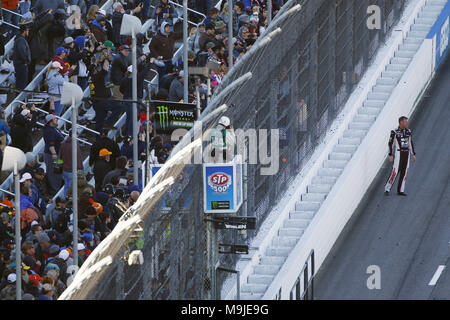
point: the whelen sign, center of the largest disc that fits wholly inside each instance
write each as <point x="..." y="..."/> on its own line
<point x="170" y="116"/>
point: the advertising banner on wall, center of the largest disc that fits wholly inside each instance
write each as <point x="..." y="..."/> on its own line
<point x="222" y="186"/>
<point x="440" y="33"/>
<point x="170" y="116"/>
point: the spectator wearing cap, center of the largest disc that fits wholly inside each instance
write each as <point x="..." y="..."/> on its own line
<point x="84" y="54"/>
<point x="207" y="36"/>
<point x="55" y="82"/>
<point x="164" y="12"/>
<point x="98" y="28"/>
<point x="73" y="57"/>
<point x="41" y="183"/>
<point x="9" y="292"/>
<point x="176" y="91"/>
<point x="101" y="167"/>
<point x="46" y="292"/>
<point x="22" y="57"/>
<point x="104" y="142"/>
<point x="27" y="180"/>
<point x="37" y="40"/>
<point x="61" y="57"/>
<point x="117" y="16"/>
<point x="42" y="247"/>
<point x="126" y="88"/>
<point x="52" y="138"/>
<point x="118" y="70"/>
<point x="22" y="128"/>
<point x="163" y="44"/>
<point x="66" y="156"/>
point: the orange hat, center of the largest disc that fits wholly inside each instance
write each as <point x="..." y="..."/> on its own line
<point x="97" y="206"/>
<point x="104" y="152"/>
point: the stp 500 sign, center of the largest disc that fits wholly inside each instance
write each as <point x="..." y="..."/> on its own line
<point x="219" y="182"/>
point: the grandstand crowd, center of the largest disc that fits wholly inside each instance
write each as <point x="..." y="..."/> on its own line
<point x="97" y="57"/>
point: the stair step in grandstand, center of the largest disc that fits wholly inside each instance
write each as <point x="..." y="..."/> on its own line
<point x="337" y="160"/>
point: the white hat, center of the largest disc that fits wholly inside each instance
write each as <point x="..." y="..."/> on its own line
<point x="102" y="12"/>
<point x="64" y="254"/>
<point x="34" y="222"/>
<point x="68" y="40"/>
<point x="80" y="246"/>
<point x="225" y="121"/>
<point x="116" y="4"/>
<point x="30" y="156"/>
<point x="130" y="69"/>
<point x="12" y="278"/>
<point x="56" y="64"/>
<point x="26" y="176"/>
<point x="181" y="74"/>
<point x="25" y="112"/>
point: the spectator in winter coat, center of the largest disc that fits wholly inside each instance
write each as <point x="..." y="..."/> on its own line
<point x="52" y="138"/>
<point x="207" y="36"/>
<point x="102" y="106"/>
<point x="176" y="91"/>
<point x="213" y="16"/>
<point x="164" y="12"/>
<point x="103" y="142"/>
<point x="163" y="44"/>
<point x="21" y="130"/>
<point x="37" y="40"/>
<point x="61" y="57"/>
<point x="66" y="156"/>
<point x="102" y="167"/>
<point x="22" y="57"/>
<point x="117" y="16"/>
<point x="55" y="82"/>
<point x="98" y="28"/>
<point x="118" y="70"/>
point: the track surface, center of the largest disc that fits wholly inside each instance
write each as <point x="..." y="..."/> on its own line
<point x="407" y="237"/>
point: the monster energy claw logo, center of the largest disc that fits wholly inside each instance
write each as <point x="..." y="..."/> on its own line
<point x="163" y="112"/>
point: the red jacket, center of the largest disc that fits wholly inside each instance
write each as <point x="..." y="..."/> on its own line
<point x="66" y="67"/>
<point x="10" y="4"/>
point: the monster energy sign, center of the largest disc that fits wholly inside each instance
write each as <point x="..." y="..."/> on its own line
<point x="173" y="115"/>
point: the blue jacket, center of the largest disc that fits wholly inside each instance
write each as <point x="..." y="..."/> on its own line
<point x="52" y="138"/>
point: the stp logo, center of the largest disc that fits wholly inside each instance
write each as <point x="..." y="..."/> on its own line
<point x="219" y="181"/>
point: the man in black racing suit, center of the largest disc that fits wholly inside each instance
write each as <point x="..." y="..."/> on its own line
<point x="400" y="146"/>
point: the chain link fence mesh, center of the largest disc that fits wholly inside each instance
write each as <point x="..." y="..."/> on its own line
<point x="300" y="81"/>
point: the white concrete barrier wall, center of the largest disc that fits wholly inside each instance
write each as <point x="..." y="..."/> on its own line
<point x="359" y="95"/>
<point x="357" y="176"/>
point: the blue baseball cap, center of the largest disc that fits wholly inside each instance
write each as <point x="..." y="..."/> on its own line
<point x="60" y="50"/>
